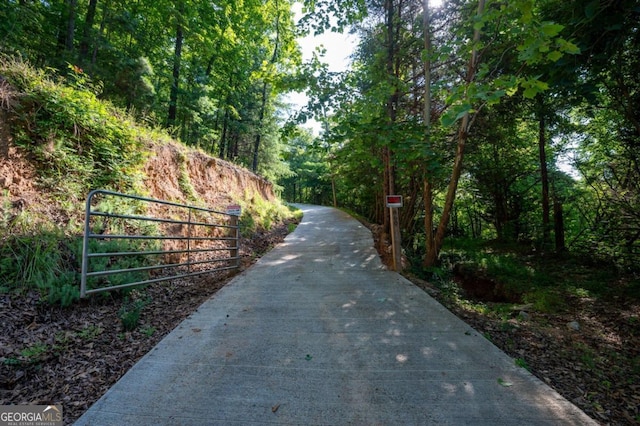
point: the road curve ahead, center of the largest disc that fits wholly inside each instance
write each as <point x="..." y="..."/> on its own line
<point x="317" y="332"/>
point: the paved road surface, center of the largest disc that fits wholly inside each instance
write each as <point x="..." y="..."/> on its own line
<point x="319" y="333"/>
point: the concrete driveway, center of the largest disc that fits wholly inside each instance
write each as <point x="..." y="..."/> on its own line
<point x="318" y="333"/>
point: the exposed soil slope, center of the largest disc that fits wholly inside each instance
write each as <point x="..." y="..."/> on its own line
<point x="214" y="181"/>
<point x="71" y="356"/>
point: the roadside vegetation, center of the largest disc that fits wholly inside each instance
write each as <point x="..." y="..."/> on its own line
<point x="510" y="129"/>
<point x="59" y="140"/>
<point x="75" y="142"/>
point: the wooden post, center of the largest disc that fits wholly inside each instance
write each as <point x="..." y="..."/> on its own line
<point x="393" y="202"/>
<point x="396" y="244"/>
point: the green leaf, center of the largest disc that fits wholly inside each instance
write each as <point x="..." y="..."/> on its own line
<point x="530" y="92"/>
<point x="495" y="97"/>
<point x="567" y="47"/>
<point x="541" y="85"/>
<point x="554" y="56"/>
<point x="551" y="29"/>
<point x="447" y="119"/>
<point x="533" y="86"/>
<point x="526" y="9"/>
<point x="456" y="113"/>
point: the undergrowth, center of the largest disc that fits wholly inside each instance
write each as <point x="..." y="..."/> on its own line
<point x="259" y="214"/>
<point x="46" y="261"/>
<point x="546" y="283"/>
<point x="82" y="142"/>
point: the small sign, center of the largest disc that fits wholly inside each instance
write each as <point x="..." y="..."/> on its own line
<point x="234" y="210"/>
<point x="35" y="415"/>
<point x="394" y="200"/>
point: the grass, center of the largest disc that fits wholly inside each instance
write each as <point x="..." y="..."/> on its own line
<point x="131" y="310"/>
<point x="45" y="261"/>
<point x="260" y="214"/>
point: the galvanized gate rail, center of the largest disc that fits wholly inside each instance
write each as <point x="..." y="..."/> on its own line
<point x="200" y="231"/>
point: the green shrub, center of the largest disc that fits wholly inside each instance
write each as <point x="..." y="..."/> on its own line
<point x="184" y="181"/>
<point x="82" y="142"/>
<point x="545" y="300"/>
<point x="46" y="262"/>
<point x="260" y="214"/>
<point x="131" y="309"/>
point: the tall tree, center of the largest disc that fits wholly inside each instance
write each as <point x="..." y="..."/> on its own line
<point x="177" y="60"/>
<point x="544" y="174"/>
<point x="265" y="85"/>
<point x="431" y="255"/>
<point x="511" y="26"/>
<point x="87" y="31"/>
<point x="427" y="192"/>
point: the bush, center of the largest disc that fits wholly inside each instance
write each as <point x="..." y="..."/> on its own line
<point x="83" y="142"/>
<point x="47" y="262"/>
<point x="131" y="309"/>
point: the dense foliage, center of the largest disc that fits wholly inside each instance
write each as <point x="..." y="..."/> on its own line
<point x="510" y="127"/>
<point x="211" y="72"/>
<point x="531" y="134"/>
<point x="511" y="121"/>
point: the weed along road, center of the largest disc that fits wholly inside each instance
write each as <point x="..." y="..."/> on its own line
<point x="319" y="332"/>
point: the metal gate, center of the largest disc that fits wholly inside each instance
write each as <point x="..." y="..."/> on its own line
<point x="131" y="241"/>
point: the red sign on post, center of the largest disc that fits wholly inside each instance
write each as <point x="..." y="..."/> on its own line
<point x="234" y="210"/>
<point x="394" y="200"/>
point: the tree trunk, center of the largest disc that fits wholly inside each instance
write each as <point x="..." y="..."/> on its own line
<point x="463" y="133"/>
<point x="103" y="24"/>
<point x="71" y="25"/>
<point x="88" y="29"/>
<point x="177" y="57"/>
<point x="431" y="254"/>
<point x="235" y="147"/>
<point x="67" y="27"/>
<point x="558" y="224"/>
<point x="258" y="139"/>
<point x="274" y="57"/>
<point x="223" y="136"/>
<point x="386" y="190"/>
<point x="427" y="192"/>
<point x="391" y="106"/>
<point x="544" y="175"/>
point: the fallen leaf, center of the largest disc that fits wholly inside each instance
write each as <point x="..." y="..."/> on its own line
<point x="503" y="383"/>
<point x="275" y="408"/>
